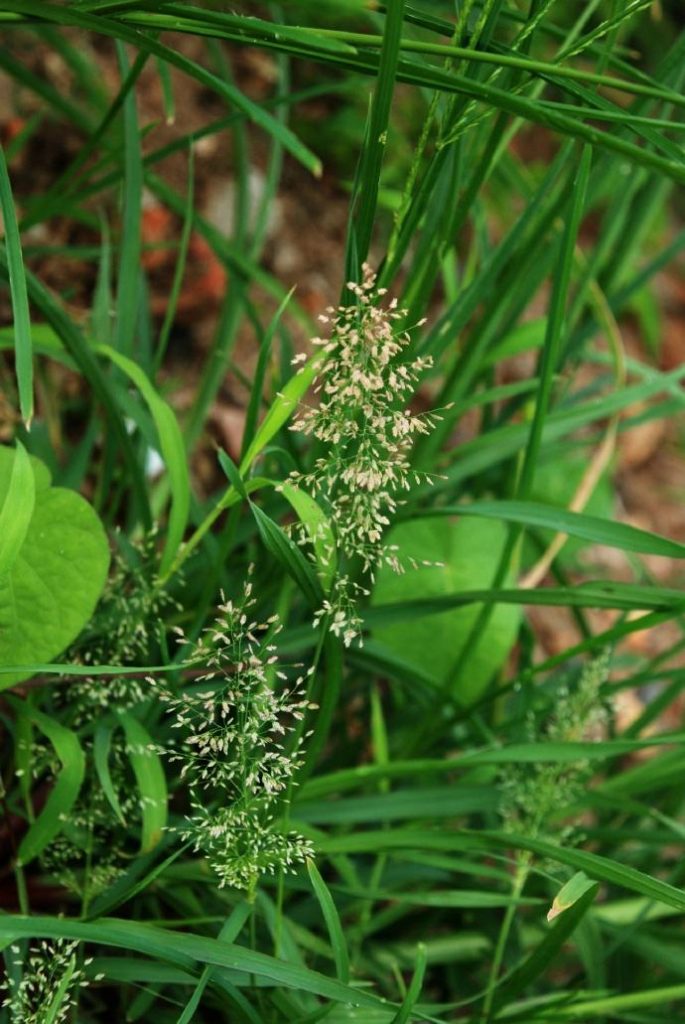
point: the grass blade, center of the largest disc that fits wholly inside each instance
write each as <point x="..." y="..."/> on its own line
<point x="173" y="452"/>
<point x="64" y="793"/>
<point x="23" y="349"/>
<point x="376" y="136"/>
<point x="102" y="743"/>
<point x="414" y="991"/>
<point x="335" y="930"/>
<point x="576" y="524"/>
<point x="289" y="556"/>
<point x="147" y="768"/>
<point x="229" y="933"/>
<point x="186" y="950"/>
<point x="128" y="283"/>
<point x="537" y="962"/>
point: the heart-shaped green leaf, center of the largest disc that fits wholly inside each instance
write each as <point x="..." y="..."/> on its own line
<point x="56" y="576"/>
<point x="468" y="551"/>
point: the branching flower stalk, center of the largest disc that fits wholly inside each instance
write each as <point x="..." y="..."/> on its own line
<point x="234" y="749"/>
<point x="533" y="794"/>
<point x="47" y="991"/>
<point x="367" y="429"/>
<point x="90" y="851"/>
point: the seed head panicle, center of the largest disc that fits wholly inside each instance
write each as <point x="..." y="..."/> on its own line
<point x="365" y="422"/>
<point x="534" y="792"/>
<point x="235" y="749"/>
<point x="48" y="987"/>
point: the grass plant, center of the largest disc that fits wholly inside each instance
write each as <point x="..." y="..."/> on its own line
<point x="219" y="803"/>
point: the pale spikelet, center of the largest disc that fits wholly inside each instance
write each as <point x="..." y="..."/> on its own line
<point x="367" y="428"/>
<point x="235" y="748"/>
<point x="49" y="984"/>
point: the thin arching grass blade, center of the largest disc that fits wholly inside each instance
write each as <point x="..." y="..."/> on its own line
<point x="23" y="350"/>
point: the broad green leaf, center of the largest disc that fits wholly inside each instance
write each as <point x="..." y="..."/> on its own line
<point x="63" y="795"/>
<point x="16" y="509"/>
<point x="57" y="576"/>
<point x="468" y="553"/>
<point x="152" y="789"/>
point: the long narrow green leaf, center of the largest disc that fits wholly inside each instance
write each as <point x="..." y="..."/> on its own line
<point x="289" y="555"/>
<point x="404" y="1013"/>
<point x="256" y="394"/>
<point x="128" y="283"/>
<point x="548" y="752"/>
<point x="229" y="933"/>
<point x="414" y="72"/>
<point x="371" y="160"/>
<point x="319" y="530"/>
<point x="537" y="962"/>
<point x="280" y="410"/>
<point x="64" y="793"/>
<point x="173" y="451"/>
<point x="576" y="524"/>
<point x="612" y="1006"/>
<point x="624" y="596"/>
<point x="186" y="950"/>
<point x="335" y="930"/>
<point x="60" y="995"/>
<point x="82" y="354"/>
<point x="601" y="868"/>
<point x="438" y="802"/>
<point x="152" y="789"/>
<point x="20" y="304"/>
<point x="102" y="743"/>
<point x="145" y="42"/>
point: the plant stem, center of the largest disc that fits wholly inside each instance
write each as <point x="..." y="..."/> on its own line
<point x="522" y="871"/>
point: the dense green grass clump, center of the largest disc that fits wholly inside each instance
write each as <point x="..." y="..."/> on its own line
<point x="280" y="741"/>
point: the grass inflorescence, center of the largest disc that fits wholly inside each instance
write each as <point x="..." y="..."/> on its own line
<point x="341" y="675"/>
